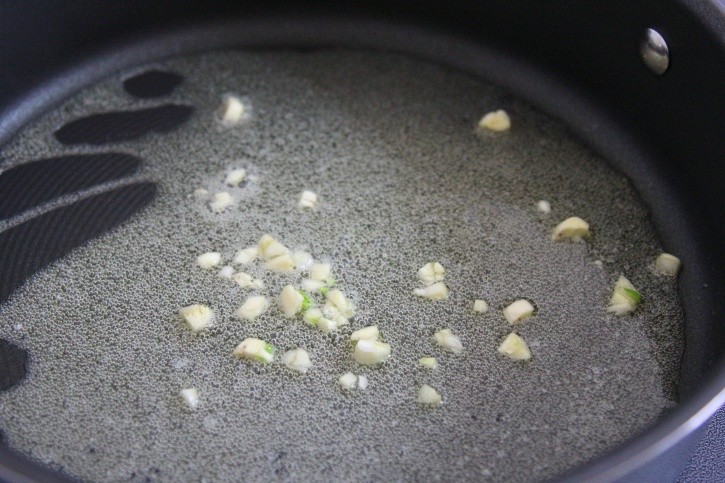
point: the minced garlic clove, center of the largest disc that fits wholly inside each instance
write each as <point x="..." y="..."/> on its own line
<point x="246" y="256"/>
<point x="335" y="298"/>
<point x="320" y="271"/>
<point x="209" y="260"/>
<point x="437" y="291"/>
<point x="231" y="111"/>
<point x="495" y="121"/>
<point x="226" y="272"/>
<point x="366" y="333"/>
<point x="543" y="206"/>
<point x="625" y="297"/>
<point x="201" y="194"/>
<point x="668" y="264"/>
<point x="197" y="316"/>
<point x="514" y="347"/>
<point x="573" y="228"/>
<point x="309" y="285"/>
<point x="248" y="282"/>
<point x="446" y="339"/>
<point x="235" y="176"/>
<point x="303" y="260"/>
<point x="429" y="396"/>
<point x="297" y="360"/>
<point x="308" y="199"/>
<point x="327" y="325"/>
<point x="290" y="300"/>
<point x="362" y="382"/>
<point x="282" y="263"/>
<point x="428" y="362"/>
<point x="347" y="381"/>
<point x="220" y="202"/>
<point x="518" y="311"/>
<point x="252" y="308"/>
<point x="480" y="306"/>
<point x="431" y="272"/>
<point x="312" y="316"/>
<point x="371" y="352"/>
<point x="270" y="248"/>
<point x="255" y="349"/>
<point x="190" y="397"/>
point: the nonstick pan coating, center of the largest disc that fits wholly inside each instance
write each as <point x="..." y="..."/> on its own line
<point x="637" y="159"/>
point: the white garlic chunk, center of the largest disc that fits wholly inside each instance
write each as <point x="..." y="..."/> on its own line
<point x="290" y="299"/>
<point x="573" y="228"/>
<point x="518" y="311"/>
<point x="429" y="396"/>
<point x="309" y="285"/>
<point x="197" y="316"/>
<point x="366" y="333"/>
<point x="231" y="111"/>
<point x="282" y="263"/>
<point x="248" y="282"/>
<point x="270" y="248"/>
<point x="246" y="256"/>
<point x="668" y="264"/>
<point x="495" y="121"/>
<point x="320" y="271"/>
<point x="543" y="206"/>
<point x="252" y="308"/>
<point x="303" y="260"/>
<point x="190" y="397"/>
<point x="255" y="349"/>
<point x="347" y="381"/>
<point x="335" y="298"/>
<point x="362" y="382"/>
<point x="312" y="316"/>
<point x="220" y="202"/>
<point x="480" y="306"/>
<point x="431" y="272"/>
<point x="297" y="360"/>
<point x="370" y="352"/>
<point x="209" y="260"/>
<point x="226" y="272"/>
<point x="437" y="291"/>
<point x="428" y="362"/>
<point x="514" y="347"/>
<point x="235" y="176"/>
<point x="446" y="339"/>
<point x="624" y="297"/>
<point x="308" y="199"/>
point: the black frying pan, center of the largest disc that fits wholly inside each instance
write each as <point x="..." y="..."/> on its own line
<point x="579" y="61"/>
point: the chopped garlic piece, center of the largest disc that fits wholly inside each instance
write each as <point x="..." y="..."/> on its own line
<point x="544" y="207"/>
<point x="495" y="121"/>
<point x="429" y="396"/>
<point x="226" y="272"/>
<point x="480" y="306"/>
<point x="235" y="176"/>
<point x="220" y="202"/>
<point x="308" y="199"/>
<point x="282" y="263"/>
<point x="270" y="248"/>
<point x="431" y="272"/>
<point x="446" y="339"/>
<point x="252" y="308"/>
<point x="334" y="315"/>
<point x="429" y="362"/>
<point x="668" y="264"/>
<point x="209" y="260"/>
<point x="362" y="382"/>
<point x="336" y="299"/>
<point x="245" y="256"/>
<point x="573" y="228"/>
<point x="247" y="281"/>
<point x="255" y="349"/>
<point x="518" y="311"/>
<point x="197" y="316"/>
<point x="327" y="325"/>
<point x="190" y="397"/>
<point x="231" y="110"/>
<point x="201" y="193"/>
<point x="297" y="360"/>
<point x="437" y="291"/>
<point x="347" y="381"/>
<point x="515" y="348"/>
<point x="312" y="316"/>
<point x="370" y="352"/>
<point x="598" y="263"/>
<point x="302" y="260"/>
<point x="309" y="285"/>
<point x="366" y="333"/>
<point x="624" y="297"/>
<point x="320" y="271"/>
<point x="291" y="300"/>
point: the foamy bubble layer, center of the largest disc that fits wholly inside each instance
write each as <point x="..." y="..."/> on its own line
<point x="390" y="146"/>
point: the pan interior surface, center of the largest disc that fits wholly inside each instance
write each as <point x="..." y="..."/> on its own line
<point x="404" y="177"/>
